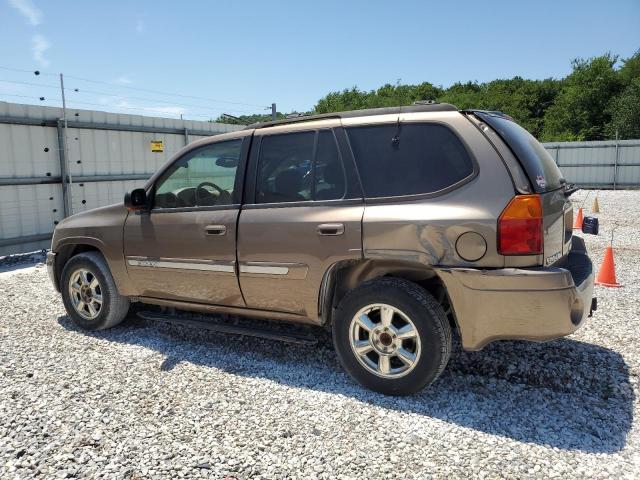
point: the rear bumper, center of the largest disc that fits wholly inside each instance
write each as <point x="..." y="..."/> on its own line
<point x="536" y="304"/>
<point x="51" y="269"/>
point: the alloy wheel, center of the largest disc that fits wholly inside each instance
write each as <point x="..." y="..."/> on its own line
<point x="85" y="293"/>
<point x="385" y="340"/>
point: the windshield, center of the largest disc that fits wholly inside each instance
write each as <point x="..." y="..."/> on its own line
<point x="538" y="164"/>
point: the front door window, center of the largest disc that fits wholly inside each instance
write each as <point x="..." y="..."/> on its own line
<point x="204" y="177"/>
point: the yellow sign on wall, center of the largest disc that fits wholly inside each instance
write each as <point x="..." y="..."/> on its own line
<point x="157" y="146"/>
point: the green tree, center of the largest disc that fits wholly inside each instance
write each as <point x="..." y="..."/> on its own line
<point x="625" y="113"/>
<point x="593" y="102"/>
<point x="386" y="96"/>
<point x="625" y="108"/>
<point x="463" y="95"/>
<point x="630" y="69"/>
<point x="348" y="99"/>
<point x="524" y="100"/>
<point x="580" y="111"/>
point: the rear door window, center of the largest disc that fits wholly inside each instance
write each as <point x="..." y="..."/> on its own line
<point x="296" y="167"/>
<point x="408" y="158"/>
<point x="285" y="168"/>
<point x="536" y="161"/>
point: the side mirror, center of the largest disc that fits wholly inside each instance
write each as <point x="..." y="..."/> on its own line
<point x="136" y="199"/>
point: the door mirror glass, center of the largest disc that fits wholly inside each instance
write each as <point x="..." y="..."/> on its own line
<point x="136" y="199"/>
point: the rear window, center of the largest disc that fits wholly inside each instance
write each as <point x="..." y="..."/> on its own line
<point x="536" y="161"/>
<point x="408" y="158"/>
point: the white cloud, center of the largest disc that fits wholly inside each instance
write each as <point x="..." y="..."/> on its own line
<point x="28" y="10"/>
<point x="39" y="46"/>
<point x="122" y="80"/>
<point x="117" y="103"/>
<point x="140" y="26"/>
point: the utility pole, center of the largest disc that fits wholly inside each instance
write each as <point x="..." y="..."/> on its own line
<point x="65" y="150"/>
<point x="273" y="112"/>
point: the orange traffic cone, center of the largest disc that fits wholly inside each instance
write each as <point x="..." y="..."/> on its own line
<point x="577" y="224"/>
<point x="596" y="206"/>
<point x="607" y="273"/>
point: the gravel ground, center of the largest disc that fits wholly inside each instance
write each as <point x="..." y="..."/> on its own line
<point x="151" y="401"/>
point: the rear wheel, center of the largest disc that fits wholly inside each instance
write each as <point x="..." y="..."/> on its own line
<point x="392" y="336"/>
<point x="89" y="293"/>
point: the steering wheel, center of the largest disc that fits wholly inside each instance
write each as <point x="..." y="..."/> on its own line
<point x="224" y="198"/>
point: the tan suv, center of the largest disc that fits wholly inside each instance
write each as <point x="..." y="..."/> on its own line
<point x="394" y="227"/>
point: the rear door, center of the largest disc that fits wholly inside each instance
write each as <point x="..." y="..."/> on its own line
<point x="303" y="212"/>
<point x="184" y="248"/>
<point x="546" y="179"/>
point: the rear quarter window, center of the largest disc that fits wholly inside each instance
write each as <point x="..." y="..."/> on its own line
<point x="408" y="158"/>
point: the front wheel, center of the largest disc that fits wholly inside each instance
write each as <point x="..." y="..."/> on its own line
<point x="89" y="293"/>
<point x="392" y="336"/>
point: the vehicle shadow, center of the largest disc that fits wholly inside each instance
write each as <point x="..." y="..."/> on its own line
<point x="564" y="394"/>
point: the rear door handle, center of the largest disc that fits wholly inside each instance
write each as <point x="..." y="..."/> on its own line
<point x="215" y="229"/>
<point x="330" y="229"/>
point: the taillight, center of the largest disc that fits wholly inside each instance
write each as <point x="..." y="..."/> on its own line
<point x="520" y="226"/>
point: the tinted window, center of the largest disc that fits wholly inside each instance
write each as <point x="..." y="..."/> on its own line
<point x="540" y="167"/>
<point x="285" y="168"/>
<point x="288" y="171"/>
<point x="203" y="177"/>
<point x="329" y="174"/>
<point x="408" y="158"/>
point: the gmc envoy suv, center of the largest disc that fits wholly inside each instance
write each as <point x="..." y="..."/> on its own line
<point x="396" y="228"/>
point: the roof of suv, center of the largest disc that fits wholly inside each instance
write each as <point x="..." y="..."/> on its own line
<point x="430" y="107"/>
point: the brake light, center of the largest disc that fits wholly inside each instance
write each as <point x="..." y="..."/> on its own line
<point x="520" y="226"/>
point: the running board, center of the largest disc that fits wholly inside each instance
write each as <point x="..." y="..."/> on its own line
<point x="214" y="326"/>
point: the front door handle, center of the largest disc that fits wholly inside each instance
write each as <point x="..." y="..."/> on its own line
<point x="330" y="229"/>
<point x="215" y="229"/>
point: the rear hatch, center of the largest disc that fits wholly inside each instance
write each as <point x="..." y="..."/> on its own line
<point x="546" y="180"/>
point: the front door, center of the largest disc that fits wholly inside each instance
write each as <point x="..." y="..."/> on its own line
<point x="184" y="248"/>
<point x="304" y="213"/>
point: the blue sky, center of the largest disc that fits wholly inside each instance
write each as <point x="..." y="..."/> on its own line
<point x="289" y="52"/>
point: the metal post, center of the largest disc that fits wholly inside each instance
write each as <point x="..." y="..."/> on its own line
<point x="64" y="156"/>
<point x="66" y="191"/>
<point x="274" y="115"/>
<point x="186" y="136"/>
<point x="615" y="164"/>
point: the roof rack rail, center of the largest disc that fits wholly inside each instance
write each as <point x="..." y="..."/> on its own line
<point x="419" y="107"/>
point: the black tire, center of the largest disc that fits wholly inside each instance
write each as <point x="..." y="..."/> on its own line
<point x="426" y="314"/>
<point x="114" y="306"/>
